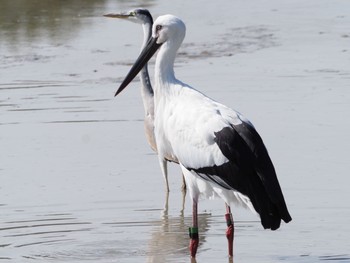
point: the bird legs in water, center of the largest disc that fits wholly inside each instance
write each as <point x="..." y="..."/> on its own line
<point x="229" y="230"/>
<point x="193" y="231"/>
<point x="164" y="169"/>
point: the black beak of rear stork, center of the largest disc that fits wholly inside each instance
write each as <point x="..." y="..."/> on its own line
<point x="121" y="15"/>
<point x="146" y="54"/>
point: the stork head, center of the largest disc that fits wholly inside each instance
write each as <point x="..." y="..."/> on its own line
<point x="167" y="29"/>
<point x="138" y="15"/>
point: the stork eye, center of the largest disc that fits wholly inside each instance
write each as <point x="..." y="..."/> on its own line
<point x="158" y="27"/>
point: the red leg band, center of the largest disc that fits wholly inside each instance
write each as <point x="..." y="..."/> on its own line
<point x="194" y="242"/>
<point x="229" y="233"/>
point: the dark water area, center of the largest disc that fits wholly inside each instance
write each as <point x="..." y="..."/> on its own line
<point x="30" y="21"/>
<point x="78" y="181"/>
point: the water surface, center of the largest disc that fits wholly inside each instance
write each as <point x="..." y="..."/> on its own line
<point x="78" y="182"/>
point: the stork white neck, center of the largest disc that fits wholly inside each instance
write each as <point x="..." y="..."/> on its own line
<point x="164" y="68"/>
<point x="171" y="36"/>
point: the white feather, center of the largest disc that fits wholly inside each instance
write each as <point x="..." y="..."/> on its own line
<point x="200" y="188"/>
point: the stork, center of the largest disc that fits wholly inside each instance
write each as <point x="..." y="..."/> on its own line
<point x="143" y="16"/>
<point x="219" y="150"/>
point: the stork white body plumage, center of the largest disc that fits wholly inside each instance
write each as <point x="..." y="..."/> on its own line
<point x="192" y="117"/>
<point x="219" y="150"/>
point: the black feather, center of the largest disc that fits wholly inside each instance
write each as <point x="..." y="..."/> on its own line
<point x="249" y="171"/>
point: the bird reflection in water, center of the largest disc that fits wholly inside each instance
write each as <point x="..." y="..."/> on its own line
<point x="169" y="239"/>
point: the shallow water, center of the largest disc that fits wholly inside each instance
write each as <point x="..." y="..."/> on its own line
<point x="78" y="182"/>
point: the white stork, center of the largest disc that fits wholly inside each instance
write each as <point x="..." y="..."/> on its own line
<point x="219" y="150"/>
<point x="143" y="16"/>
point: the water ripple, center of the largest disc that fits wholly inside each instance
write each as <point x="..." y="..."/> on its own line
<point x="342" y="258"/>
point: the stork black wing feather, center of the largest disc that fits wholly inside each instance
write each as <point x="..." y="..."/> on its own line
<point x="249" y="171"/>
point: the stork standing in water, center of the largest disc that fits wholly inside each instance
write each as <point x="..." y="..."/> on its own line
<point x="144" y="17"/>
<point x="219" y="150"/>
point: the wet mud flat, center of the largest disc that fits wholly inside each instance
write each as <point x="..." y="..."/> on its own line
<point x="78" y="182"/>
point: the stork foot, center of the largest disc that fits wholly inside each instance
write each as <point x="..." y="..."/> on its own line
<point x="229" y="233"/>
<point x="194" y="241"/>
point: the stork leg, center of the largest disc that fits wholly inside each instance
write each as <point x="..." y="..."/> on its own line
<point x="183" y="202"/>
<point x="166" y="206"/>
<point x="183" y="187"/>
<point x="229" y="230"/>
<point x="164" y="168"/>
<point x="193" y="231"/>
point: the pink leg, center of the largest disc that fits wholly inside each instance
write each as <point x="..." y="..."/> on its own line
<point x="193" y="231"/>
<point x="229" y="230"/>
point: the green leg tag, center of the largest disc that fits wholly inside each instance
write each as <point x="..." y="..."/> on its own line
<point x="193" y="232"/>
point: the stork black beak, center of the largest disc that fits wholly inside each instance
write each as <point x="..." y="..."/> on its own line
<point x="146" y="54"/>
